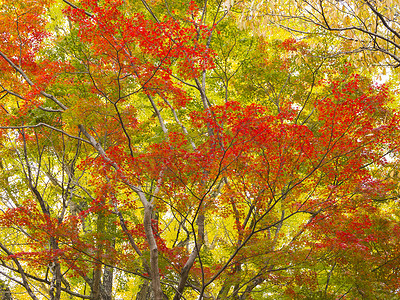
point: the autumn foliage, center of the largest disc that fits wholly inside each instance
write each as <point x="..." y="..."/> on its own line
<point x="156" y="151"/>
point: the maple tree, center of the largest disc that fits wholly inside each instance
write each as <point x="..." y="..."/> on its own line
<point x="155" y="150"/>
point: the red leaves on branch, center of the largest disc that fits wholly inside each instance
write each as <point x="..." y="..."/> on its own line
<point x="125" y="38"/>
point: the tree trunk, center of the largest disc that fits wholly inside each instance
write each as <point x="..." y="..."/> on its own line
<point x="155" y="275"/>
<point x="108" y="282"/>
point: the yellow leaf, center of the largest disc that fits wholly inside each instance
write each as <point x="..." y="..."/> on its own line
<point x="347" y="21"/>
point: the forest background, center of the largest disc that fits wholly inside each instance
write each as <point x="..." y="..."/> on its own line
<point x="199" y="149"/>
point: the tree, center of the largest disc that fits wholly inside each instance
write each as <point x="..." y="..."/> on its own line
<point x="161" y="152"/>
<point x="368" y="30"/>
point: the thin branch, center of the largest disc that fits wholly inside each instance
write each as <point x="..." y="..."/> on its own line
<point x="47" y="126"/>
<point x="30" y="82"/>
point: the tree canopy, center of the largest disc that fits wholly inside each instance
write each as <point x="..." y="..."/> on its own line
<point x="198" y="150"/>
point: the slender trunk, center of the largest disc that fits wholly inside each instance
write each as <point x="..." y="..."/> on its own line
<point x="96" y="282"/>
<point x="97" y="272"/>
<point x="192" y="258"/>
<point x="155" y="274"/>
<point x="108" y="276"/>
<point x="56" y="272"/>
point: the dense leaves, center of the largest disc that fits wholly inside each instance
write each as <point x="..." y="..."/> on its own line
<point x="157" y="151"/>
